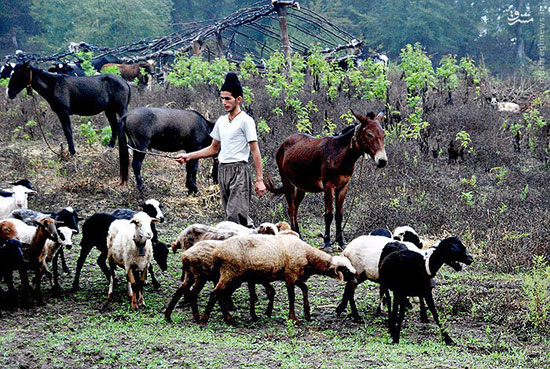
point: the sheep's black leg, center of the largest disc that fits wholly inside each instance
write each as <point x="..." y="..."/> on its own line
<point x="307" y="309"/>
<point x="423" y="315"/>
<point x="291" y="299"/>
<point x="209" y="306"/>
<point x="63" y="262"/>
<point x="344" y="303"/>
<point x="84" y="251"/>
<point x="401" y="304"/>
<point x="431" y="306"/>
<point x="104" y="268"/>
<point x="154" y="281"/>
<point x="253" y="299"/>
<point x="393" y="318"/>
<point x="270" y="291"/>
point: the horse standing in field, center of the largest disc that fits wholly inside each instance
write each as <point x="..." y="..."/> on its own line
<point x="167" y="130"/>
<point x="309" y="164"/>
<point x="75" y="95"/>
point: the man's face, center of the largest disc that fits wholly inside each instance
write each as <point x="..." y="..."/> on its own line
<point x="229" y="102"/>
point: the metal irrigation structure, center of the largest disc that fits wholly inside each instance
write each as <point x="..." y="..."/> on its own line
<point x="258" y="30"/>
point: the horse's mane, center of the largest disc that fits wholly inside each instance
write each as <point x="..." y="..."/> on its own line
<point x="346" y="130"/>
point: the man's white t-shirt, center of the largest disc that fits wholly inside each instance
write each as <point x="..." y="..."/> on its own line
<point x="234" y="137"/>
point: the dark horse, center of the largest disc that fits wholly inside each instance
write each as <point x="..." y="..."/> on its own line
<point x="164" y="130"/>
<point x="75" y="95"/>
<point x="309" y="164"/>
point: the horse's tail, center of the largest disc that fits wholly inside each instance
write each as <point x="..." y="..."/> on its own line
<point x="123" y="150"/>
<point x="129" y="94"/>
<point x="271" y="187"/>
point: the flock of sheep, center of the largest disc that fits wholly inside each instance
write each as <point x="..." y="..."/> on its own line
<point x="227" y="254"/>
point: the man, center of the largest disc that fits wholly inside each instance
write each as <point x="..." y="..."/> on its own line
<point x="234" y="137"/>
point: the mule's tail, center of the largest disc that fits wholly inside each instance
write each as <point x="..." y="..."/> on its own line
<point x="123" y="150"/>
<point x="271" y="187"/>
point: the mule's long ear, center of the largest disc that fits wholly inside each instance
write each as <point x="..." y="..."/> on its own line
<point x="360" y="118"/>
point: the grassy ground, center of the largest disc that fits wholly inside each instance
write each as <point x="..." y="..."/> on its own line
<point x="83" y="330"/>
<point x="484" y="310"/>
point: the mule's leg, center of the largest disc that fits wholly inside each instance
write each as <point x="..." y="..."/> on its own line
<point x="191" y="168"/>
<point x="113" y="122"/>
<point x="137" y="161"/>
<point x="340" y="197"/>
<point x="329" y="199"/>
<point x="290" y="195"/>
<point x="67" y="130"/>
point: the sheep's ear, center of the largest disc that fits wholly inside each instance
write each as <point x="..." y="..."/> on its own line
<point x="35" y="222"/>
<point x="155" y="220"/>
<point x="30" y="192"/>
<point x="74" y="231"/>
<point x="7" y="190"/>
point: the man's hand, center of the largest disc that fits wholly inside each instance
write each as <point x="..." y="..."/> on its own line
<point x="259" y="187"/>
<point x="182" y="158"/>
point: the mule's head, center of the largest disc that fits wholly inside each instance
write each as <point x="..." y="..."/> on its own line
<point x="20" y="78"/>
<point x="369" y="137"/>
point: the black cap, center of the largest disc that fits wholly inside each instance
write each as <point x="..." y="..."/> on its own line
<point x="232" y="85"/>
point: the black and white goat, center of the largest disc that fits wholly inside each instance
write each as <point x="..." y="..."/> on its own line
<point x="364" y="253"/>
<point x="94" y="234"/>
<point x="409" y="273"/>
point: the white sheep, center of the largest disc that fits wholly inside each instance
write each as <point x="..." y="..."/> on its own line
<point x="505" y="106"/>
<point x="18" y="200"/>
<point x="364" y="253"/>
<point x="265" y="258"/>
<point x="129" y="246"/>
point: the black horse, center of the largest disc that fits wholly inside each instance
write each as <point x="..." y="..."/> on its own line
<point x="75" y="95"/>
<point x="164" y="130"/>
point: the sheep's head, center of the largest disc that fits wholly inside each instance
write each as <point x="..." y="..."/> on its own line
<point x="407" y="234"/>
<point x="7" y="230"/>
<point x="142" y="223"/>
<point x="66" y="237"/>
<point x="283" y="226"/>
<point x="343" y="270"/>
<point x="153" y="208"/>
<point x="20" y="195"/>
<point x="48" y="227"/>
<point x="267" y="228"/>
<point x="454" y="253"/>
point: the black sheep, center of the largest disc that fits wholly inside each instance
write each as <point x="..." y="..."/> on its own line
<point x="408" y="273"/>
